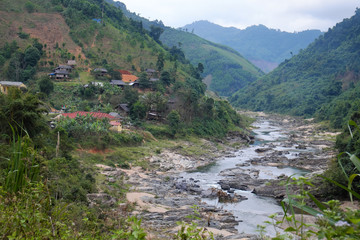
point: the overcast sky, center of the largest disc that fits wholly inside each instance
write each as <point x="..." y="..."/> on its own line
<point x="286" y="15"/>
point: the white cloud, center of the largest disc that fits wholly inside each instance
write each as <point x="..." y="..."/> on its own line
<point x="287" y="15"/>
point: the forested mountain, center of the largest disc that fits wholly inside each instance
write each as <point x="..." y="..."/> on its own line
<point x="225" y="69"/>
<point x="264" y="47"/>
<point x="322" y="80"/>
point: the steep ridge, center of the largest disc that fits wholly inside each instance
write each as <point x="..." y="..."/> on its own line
<point x="320" y="81"/>
<point x="226" y="69"/>
<point x="264" y="47"/>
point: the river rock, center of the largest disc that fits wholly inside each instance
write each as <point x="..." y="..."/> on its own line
<point x="101" y="199"/>
<point x="262" y="150"/>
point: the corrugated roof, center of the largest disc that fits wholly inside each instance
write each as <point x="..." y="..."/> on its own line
<point x="8" y="83"/>
<point x="82" y="113"/>
<point x="61" y="71"/>
<point x="115" y="123"/>
<point x="117" y="82"/>
<point x="64" y="67"/>
<point x="71" y="62"/>
<point x="100" y="70"/>
<point x="129" y="78"/>
<point x="124" y="72"/>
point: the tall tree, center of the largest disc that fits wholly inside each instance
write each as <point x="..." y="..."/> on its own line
<point x="144" y="81"/>
<point x="160" y="62"/>
<point x="155" y="33"/>
<point x="24" y="112"/>
<point x="46" y="85"/>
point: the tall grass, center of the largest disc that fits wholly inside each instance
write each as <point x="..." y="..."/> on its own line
<point x="22" y="167"/>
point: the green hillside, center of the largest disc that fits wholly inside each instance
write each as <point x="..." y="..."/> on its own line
<point x="38" y="35"/>
<point x="320" y="81"/>
<point x="225" y="69"/>
<point x="229" y="71"/>
<point x="72" y="116"/>
<point x="264" y="47"/>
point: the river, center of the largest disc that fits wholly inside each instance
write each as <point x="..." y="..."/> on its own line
<point x="256" y="209"/>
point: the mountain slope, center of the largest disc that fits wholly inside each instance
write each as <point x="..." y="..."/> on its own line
<point x="322" y="80"/>
<point x="225" y="70"/>
<point x="68" y="31"/>
<point x="264" y="47"/>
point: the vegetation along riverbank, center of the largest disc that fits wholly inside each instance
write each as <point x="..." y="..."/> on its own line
<point x="106" y="132"/>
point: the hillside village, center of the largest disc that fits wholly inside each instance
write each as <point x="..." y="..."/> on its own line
<point x="106" y="131"/>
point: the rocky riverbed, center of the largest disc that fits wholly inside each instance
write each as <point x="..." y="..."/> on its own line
<point x="164" y="197"/>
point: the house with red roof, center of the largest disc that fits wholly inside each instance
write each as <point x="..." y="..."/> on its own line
<point x="129" y="78"/>
<point x="115" y="124"/>
<point x="93" y="114"/>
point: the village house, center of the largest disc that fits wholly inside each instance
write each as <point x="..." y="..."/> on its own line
<point x="100" y="71"/>
<point x="123" y="109"/>
<point x="129" y="78"/>
<point x="5" y="86"/>
<point x="118" y="83"/>
<point x="60" y="74"/>
<point x="152" y="80"/>
<point x="113" y="121"/>
<point x="134" y="84"/>
<point x="71" y="63"/>
<point x="153" y="115"/>
<point x="64" y="67"/>
<point x="151" y="73"/>
<point x="115" y="115"/>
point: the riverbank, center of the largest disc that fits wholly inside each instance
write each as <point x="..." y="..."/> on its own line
<point x="162" y="196"/>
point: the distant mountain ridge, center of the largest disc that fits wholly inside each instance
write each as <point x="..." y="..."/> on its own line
<point x="264" y="47"/>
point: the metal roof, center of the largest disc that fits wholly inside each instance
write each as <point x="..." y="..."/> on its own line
<point x="8" y="83"/>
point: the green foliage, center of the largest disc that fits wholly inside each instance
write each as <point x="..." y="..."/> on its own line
<point x="46" y="85"/>
<point x="69" y="181"/>
<point x="160" y="62"/>
<point x="144" y="81"/>
<point x="9" y="49"/>
<point x="173" y="119"/>
<point x="130" y="96"/>
<point x="30" y="7"/>
<point x="155" y="101"/>
<point x="165" y="78"/>
<point x="22" y="64"/>
<point x="23" y="112"/>
<point x="192" y="231"/>
<point x="82" y="127"/>
<point x="228" y="70"/>
<point x="155" y="32"/>
<point x="30" y="214"/>
<point x="316" y="82"/>
<point x="23" y="35"/>
<point x="135" y="232"/>
<point x="23" y="168"/>
<point x="2" y="60"/>
<point x="332" y="221"/>
<point x="158" y="130"/>
<point x="253" y="42"/>
<point x="138" y="111"/>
